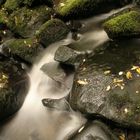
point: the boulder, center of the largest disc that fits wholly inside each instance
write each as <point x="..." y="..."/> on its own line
<point x="22" y="49"/>
<point x="73" y="9"/>
<point x="24" y="21"/>
<point x="69" y="56"/>
<point x="107" y="84"/>
<point x="51" y="31"/>
<point x="14" y="84"/>
<point x="124" y="25"/>
<point x="95" y="131"/>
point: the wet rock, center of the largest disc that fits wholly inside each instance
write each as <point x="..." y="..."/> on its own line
<point x="69" y="56"/>
<point x="107" y="84"/>
<point x="124" y="25"/>
<point x="2" y="2"/>
<point x="73" y="9"/>
<point x="137" y="2"/>
<point x="22" y="49"/>
<point x="95" y="131"/>
<point x="14" y="84"/>
<point x="51" y="31"/>
<point x="24" y="21"/>
<point x="57" y="104"/>
<point x="5" y="35"/>
<point x="54" y="71"/>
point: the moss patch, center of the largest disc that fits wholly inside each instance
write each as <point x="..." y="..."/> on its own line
<point x="26" y="49"/>
<point x="126" y="24"/>
<point x="25" y="22"/>
<point x="51" y="31"/>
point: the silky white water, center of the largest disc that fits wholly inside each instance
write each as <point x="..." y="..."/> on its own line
<point x="34" y="121"/>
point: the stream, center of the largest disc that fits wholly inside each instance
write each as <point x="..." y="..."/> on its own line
<point x="34" y="121"/>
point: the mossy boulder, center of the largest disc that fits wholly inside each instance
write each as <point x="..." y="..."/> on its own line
<point x="14" y="84"/>
<point x="22" y="49"/>
<point x="73" y="9"/>
<point x="107" y="84"/>
<point x="125" y="25"/>
<point x="24" y="21"/>
<point x="51" y="31"/>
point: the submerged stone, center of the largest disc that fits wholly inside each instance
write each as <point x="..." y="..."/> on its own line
<point x="73" y="9"/>
<point x="24" y="21"/>
<point x="23" y="49"/>
<point x="51" y="31"/>
<point x="95" y="131"/>
<point x="57" y="104"/>
<point x="14" y="84"/>
<point x="107" y="84"/>
<point x="124" y="25"/>
<point x="54" y="71"/>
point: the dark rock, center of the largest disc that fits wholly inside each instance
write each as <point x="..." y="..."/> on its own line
<point x="69" y="56"/>
<point x="106" y="84"/>
<point x="2" y="2"/>
<point x="22" y="49"/>
<point x="37" y="2"/>
<point x="73" y="9"/>
<point x="5" y="35"/>
<point x="14" y="84"/>
<point x="124" y="25"/>
<point x="54" y="71"/>
<point x="52" y="31"/>
<point x="57" y="104"/>
<point x="95" y="131"/>
<point x="24" y="21"/>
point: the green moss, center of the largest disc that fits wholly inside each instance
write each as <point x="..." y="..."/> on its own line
<point x="3" y="16"/>
<point x="51" y="31"/>
<point x="26" y="21"/>
<point x="26" y="49"/>
<point x="69" y="5"/>
<point x="12" y="4"/>
<point x="123" y="25"/>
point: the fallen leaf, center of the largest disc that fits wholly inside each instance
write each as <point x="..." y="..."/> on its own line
<point x="108" y="88"/>
<point x="134" y="67"/>
<point x="138" y="70"/>
<point x="128" y="75"/>
<point x="107" y="72"/>
<point x="82" y="82"/>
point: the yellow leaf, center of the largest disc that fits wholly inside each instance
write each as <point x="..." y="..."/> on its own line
<point x="122" y="137"/>
<point x="107" y="72"/>
<point x="108" y="88"/>
<point x="4" y="76"/>
<point x="128" y="75"/>
<point x="138" y="70"/>
<point x="82" y="82"/>
<point x="134" y="67"/>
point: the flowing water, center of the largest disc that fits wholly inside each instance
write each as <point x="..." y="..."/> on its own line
<point x="34" y="121"/>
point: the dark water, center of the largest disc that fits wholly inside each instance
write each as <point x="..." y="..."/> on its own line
<point x="35" y="122"/>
